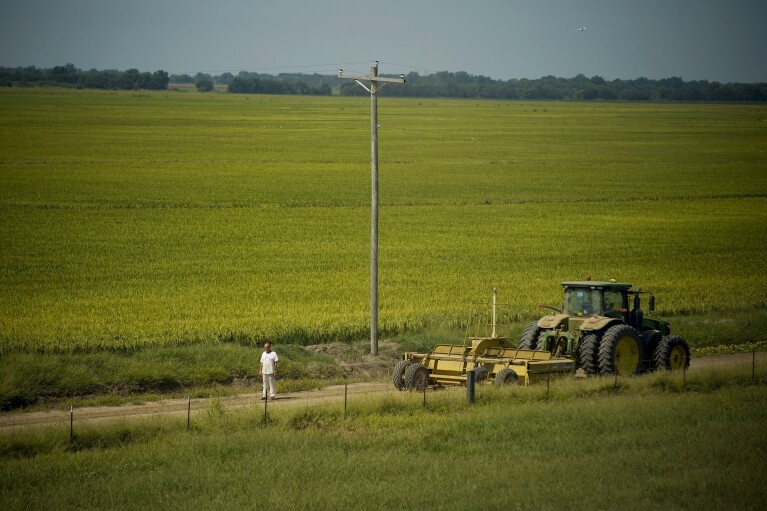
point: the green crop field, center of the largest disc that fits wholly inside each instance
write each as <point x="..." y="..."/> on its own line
<point x="134" y="220"/>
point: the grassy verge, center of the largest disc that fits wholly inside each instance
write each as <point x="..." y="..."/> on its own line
<point x="108" y="377"/>
<point x="650" y="443"/>
<point x="45" y="380"/>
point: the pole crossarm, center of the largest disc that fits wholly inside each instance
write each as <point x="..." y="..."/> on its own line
<point x="376" y="83"/>
<point x="372" y="78"/>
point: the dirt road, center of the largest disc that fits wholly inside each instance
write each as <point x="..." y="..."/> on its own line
<point x="180" y="407"/>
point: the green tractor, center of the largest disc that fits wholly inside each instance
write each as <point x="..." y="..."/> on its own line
<point x="596" y="327"/>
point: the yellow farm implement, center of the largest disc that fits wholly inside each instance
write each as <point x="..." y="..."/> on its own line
<point x="492" y="358"/>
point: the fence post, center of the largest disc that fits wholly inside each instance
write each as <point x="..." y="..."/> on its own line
<point x="470" y="387"/>
<point x="71" y="424"/>
<point x="266" y="416"/>
<point x="188" y="412"/>
<point x="346" y="393"/>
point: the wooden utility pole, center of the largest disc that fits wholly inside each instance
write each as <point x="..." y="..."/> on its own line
<point x="376" y="84"/>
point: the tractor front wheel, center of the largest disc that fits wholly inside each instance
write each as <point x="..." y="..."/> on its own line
<point x="672" y="353"/>
<point x="398" y="374"/>
<point x="529" y="336"/>
<point x="588" y="353"/>
<point x="416" y="377"/>
<point x="540" y="343"/>
<point x="620" y="351"/>
<point x="505" y="377"/>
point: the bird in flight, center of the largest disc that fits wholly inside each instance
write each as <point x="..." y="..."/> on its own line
<point x="582" y="29"/>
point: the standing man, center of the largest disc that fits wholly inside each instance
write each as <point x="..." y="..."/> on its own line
<point x="268" y="370"/>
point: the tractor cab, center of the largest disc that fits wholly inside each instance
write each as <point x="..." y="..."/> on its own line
<point x="606" y="299"/>
<point x="596" y="298"/>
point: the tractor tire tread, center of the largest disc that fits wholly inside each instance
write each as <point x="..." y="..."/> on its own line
<point x="589" y="352"/>
<point x="608" y="344"/>
<point x="529" y="336"/>
<point x="662" y="355"/>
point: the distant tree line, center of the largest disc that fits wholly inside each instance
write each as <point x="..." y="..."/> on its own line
<point x="259" y="83"/>
<point x="443" y="84"/>
<point x="272" y="86"/>
<point x="446" y="84"/>
<point x="315" y="80"/>
<point x="463" y="85"/>
<point x="255" y="83"/>
<point x="70" y="76"/>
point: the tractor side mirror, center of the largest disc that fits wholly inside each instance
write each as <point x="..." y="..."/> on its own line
<point x="652" y="303"/>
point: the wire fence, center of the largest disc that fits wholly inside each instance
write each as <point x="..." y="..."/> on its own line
<point x="339" y="398"/>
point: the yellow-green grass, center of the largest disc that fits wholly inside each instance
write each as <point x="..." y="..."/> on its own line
<point x="81" y="379"/>
<point x="152" y="219"/>
<point x="655" y="442"/>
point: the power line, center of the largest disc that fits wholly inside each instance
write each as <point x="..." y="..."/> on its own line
<point x="415" y="68"/>
<point x="332" y="67"/>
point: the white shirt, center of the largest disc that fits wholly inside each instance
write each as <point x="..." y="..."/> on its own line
<point x="268" y="361"/>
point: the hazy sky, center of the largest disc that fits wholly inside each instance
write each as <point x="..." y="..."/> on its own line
<point x="722" y="40"/>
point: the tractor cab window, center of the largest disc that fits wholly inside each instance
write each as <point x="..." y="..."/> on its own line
<point x="616" y="304"/>
<point x="582" y="301"/>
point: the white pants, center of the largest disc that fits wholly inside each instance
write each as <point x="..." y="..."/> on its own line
<point x="269" y="384"/>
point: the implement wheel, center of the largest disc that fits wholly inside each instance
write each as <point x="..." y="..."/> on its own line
<point x="588" y="353"/>
<point x="416" y="377"/>
<point x="672" y="353"/>
<point x="505" y="377"/>
<point x="398" y="374"/>
<point x="529" y="336"/>
<point x="480" y="374"/>
<point x="620" y="351"/>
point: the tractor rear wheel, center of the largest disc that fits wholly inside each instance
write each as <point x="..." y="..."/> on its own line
<point x="588" y="353"/>
<point x="620" y="351"/>
<point x="416" y="377"/>
<point x="672" y="353"/>
<point x="529" y="336"/>
<point x="480" y="374"/>
<point x="398" y="374"/>
<point x="505" y="377"/>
